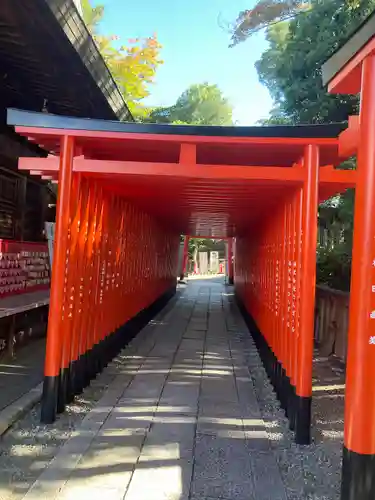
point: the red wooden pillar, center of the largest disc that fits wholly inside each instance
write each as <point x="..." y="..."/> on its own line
<point x="296" y="282"/>
<point x="78" y="327"/>
<point x="278" y="298"/>
<point x="230" y="261"/>
<point x="65" y="392"/>
<point x="359" y="437"/>
<point x="283" y="307"/>
<point x="55" y="332"/>
<point x="302" y="406"/>
<point x="289" y="311"/>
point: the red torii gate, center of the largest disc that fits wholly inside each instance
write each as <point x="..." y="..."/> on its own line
<point x="127" y="192"/>
<point x="351" y="70"/>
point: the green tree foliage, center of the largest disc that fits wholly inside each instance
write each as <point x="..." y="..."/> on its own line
<point x="291" y="70"/>
<point x="133" y="65"/>
<point x="334" y="268"/>
<point x="197" y="245"/>
<point x="268" y="12"/>
<point x="263" y="14"/>
<point x="334" y="258"/>
<point x="291" y="66"/>
<point x="201" y="104"/>
<point x="92" y="15"/>
<point x="276" y="117"/>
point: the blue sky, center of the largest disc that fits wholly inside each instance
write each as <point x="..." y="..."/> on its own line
<point x="195" y="49"/>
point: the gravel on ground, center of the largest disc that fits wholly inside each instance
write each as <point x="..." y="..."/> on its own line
<point x="310" y="472"/>
<point x="28" y="447"/>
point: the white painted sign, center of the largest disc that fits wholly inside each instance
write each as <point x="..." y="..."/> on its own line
<point x="214" y="262"/>
<point x="203" y="262"/>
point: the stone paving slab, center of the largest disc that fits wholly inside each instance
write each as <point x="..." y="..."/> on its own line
<point x="182" y="421"/>
<point x="222" y="468"/>
<point x="15" y="410"/>
<point x="22" y="373"/>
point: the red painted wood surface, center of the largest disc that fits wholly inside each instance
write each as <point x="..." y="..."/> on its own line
<point x="129" y="197"/>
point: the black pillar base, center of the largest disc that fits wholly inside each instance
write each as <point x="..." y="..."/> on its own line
<point x="302" y="409"/>
<point x="284" y="389"/>
<point x="292" y="408"/>
<point x="60" y="390"/>
<point x="72" y="381"/>
<point x="297" y="409"/>
<point x="78" y="375"/>
<point x="49" y="400"/>
<point x="69" y="396"/>
<point x="92" y="362"/>
<point x="230" y="280"/>
<point x="278" y="380"/>
<point x="289" y="403"/>
<point x="358" y="476"/>
<point x="97" y="361"/>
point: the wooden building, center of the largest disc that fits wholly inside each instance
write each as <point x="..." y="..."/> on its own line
<point x="48" y="61"/>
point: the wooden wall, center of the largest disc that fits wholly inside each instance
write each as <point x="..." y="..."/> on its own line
<point x="24" y="201"/>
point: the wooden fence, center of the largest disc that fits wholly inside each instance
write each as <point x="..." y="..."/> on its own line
<point x="331" y="321"/>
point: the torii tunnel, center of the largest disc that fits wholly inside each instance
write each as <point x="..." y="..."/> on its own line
<point x="128" y="191"/>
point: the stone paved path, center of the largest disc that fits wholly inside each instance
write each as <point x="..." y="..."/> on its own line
<point x="21" y="373"/>
<point x="181" y="421"/>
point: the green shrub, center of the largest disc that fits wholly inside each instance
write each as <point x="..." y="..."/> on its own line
<point x="333" y="267"/>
